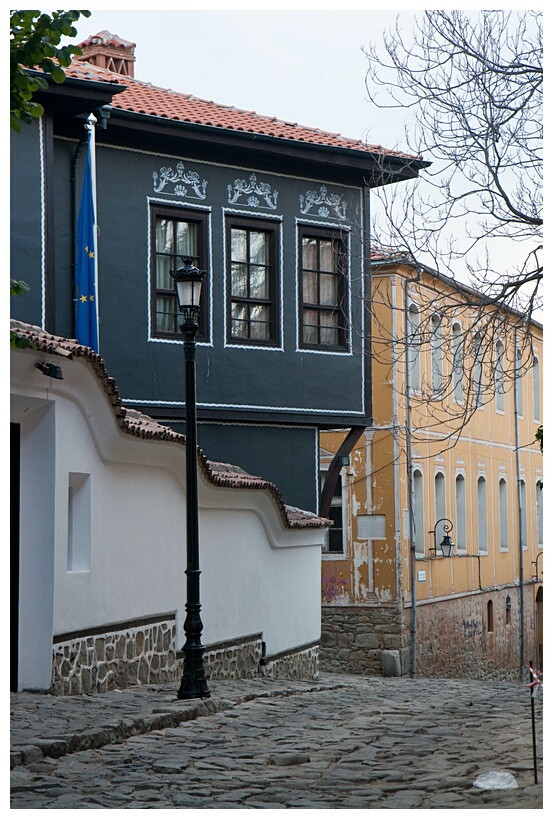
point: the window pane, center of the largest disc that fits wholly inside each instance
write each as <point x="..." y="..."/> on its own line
<point x="239" y="245"/>
<point x="165" y="314"/>
<point x="336" y="532"/>
<point x="536" y="389"/>
<point x="482" y="517"/>
<point x="460" y="509"/>
<point x="418" y="489"/>
<point x="310" y="327"/>
<point x="259" y="282"/>
<point x="326" y="257"/>
<point x="310" y="288"/>
<point x="329" y="330"/>
<point x="259" y="247"/>
<point x="164" y="236"/>
<point x="309" y="253"/>
<point x="186" y="239"/>
<point x="239" y="273"/>
<point x="259" y="322"/>
<point x="239" y="323"/>
<point x="329" y="290"/>
<point x="329" y="337"/>
<point x="164" y="280"/>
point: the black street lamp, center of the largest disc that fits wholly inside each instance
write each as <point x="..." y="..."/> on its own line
<point x="447" y="544"/>
<point x="188" y="280"/>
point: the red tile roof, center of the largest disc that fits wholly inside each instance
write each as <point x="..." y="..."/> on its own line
<point x="135" y="423"/>
<point x="145" y="98"/>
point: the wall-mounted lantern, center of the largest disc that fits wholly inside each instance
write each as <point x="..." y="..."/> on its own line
<point x="446" y="546"/>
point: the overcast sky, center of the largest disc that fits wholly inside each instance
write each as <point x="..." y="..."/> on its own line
<point x="305" y="66"/>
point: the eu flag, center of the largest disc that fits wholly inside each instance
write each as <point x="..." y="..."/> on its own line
<point x="86" y="329"/>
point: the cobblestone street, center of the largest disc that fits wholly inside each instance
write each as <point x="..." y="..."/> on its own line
<point x="345" y="742"/>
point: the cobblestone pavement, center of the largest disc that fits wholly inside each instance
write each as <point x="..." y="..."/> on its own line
<point x="343" y="742"/>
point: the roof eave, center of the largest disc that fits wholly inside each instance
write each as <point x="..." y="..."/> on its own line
<point x="381" y="165"/>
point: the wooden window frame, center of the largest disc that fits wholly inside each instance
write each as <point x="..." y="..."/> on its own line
<point x="199" y="218"/>
<point x="340" y="238"/>
<point x="272" y="229"/>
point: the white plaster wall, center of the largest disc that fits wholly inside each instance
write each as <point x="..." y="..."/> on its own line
<point x="256" y="575"/>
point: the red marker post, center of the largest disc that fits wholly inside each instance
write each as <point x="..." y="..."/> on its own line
<point x="533" y="685"/>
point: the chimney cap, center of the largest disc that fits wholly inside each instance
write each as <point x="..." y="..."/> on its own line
<point x="107" y="39"/>
<point x="107" y="50"/>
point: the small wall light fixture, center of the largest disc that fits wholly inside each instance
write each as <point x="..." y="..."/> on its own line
<point x="50" y="370"/>
<point x="446" y="546"/>
<point x="535" y="573"/>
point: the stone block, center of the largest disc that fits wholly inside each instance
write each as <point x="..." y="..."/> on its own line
<point x="391" y="664"/>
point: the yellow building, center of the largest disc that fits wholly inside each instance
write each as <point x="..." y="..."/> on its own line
<point x="451" y="454"/>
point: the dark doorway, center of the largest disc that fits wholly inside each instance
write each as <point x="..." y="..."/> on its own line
<point x="15" y="449"/>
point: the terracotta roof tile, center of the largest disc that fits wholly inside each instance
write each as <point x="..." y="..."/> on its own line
<point x="136" y="423"/>
<point x="150" y="100"/>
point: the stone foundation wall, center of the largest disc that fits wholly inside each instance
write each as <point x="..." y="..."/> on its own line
<point x="137" y="655"/>
<point x="353" y="639"/>
<point x="146" y="655"/>
<point x="454" y="637"/>
<point x="301" y="665"/>
<point x="234" y="661"/>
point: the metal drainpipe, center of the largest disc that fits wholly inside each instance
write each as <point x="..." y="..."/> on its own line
<point x="411" y="504"/>
<point x="520" y="543"/>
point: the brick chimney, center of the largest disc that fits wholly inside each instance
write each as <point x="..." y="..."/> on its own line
<point x="109" y="51"/>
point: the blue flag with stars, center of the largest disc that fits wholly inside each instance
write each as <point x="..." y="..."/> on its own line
<point x="86" y="329"/>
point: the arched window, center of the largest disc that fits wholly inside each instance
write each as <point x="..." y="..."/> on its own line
<point x="539" y="513"/>
<point x="500" y="376"/>
<point x="503" y="516"/>
<point x="523" y="524"/>
<point x="439" y="496"/>
<point x="482" y="517"/>
<point x="460" y="514"/>
<point x="518" y="383"/>
<point x="437" y="355"/>
<point x="418" y="492"/>
<point x="457" y="369"/>
<point x="536" y="388"/>
<point x="478" y="370"/>
<point x="414" y="345"/>
<point x="490" y="615"/>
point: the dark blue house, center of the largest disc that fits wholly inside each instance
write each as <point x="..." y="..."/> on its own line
<point x="276" y="213"/>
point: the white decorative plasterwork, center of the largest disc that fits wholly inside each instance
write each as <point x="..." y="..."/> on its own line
<point x="181" y="179"/>
<point x="253" y="190"/>
<point x="325" y="200"/>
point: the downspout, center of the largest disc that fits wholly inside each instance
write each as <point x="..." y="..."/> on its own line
<point x="410" y="496"/>
<point x="519" y="498"/>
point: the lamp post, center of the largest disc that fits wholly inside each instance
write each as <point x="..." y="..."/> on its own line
<point x="447" y="544"/>
<point x="188" y="281"/>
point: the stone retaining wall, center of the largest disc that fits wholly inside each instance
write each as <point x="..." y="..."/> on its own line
<point x="454" y="637"/>
<point x="145" y="654"/>
<point x="117" y="659"/>
<point x="301" y="665"/>
<point x="353" y="639"/>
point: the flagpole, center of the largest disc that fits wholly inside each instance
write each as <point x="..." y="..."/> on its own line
<point x="86" y="262"/>
<point x="91" y="128"/>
